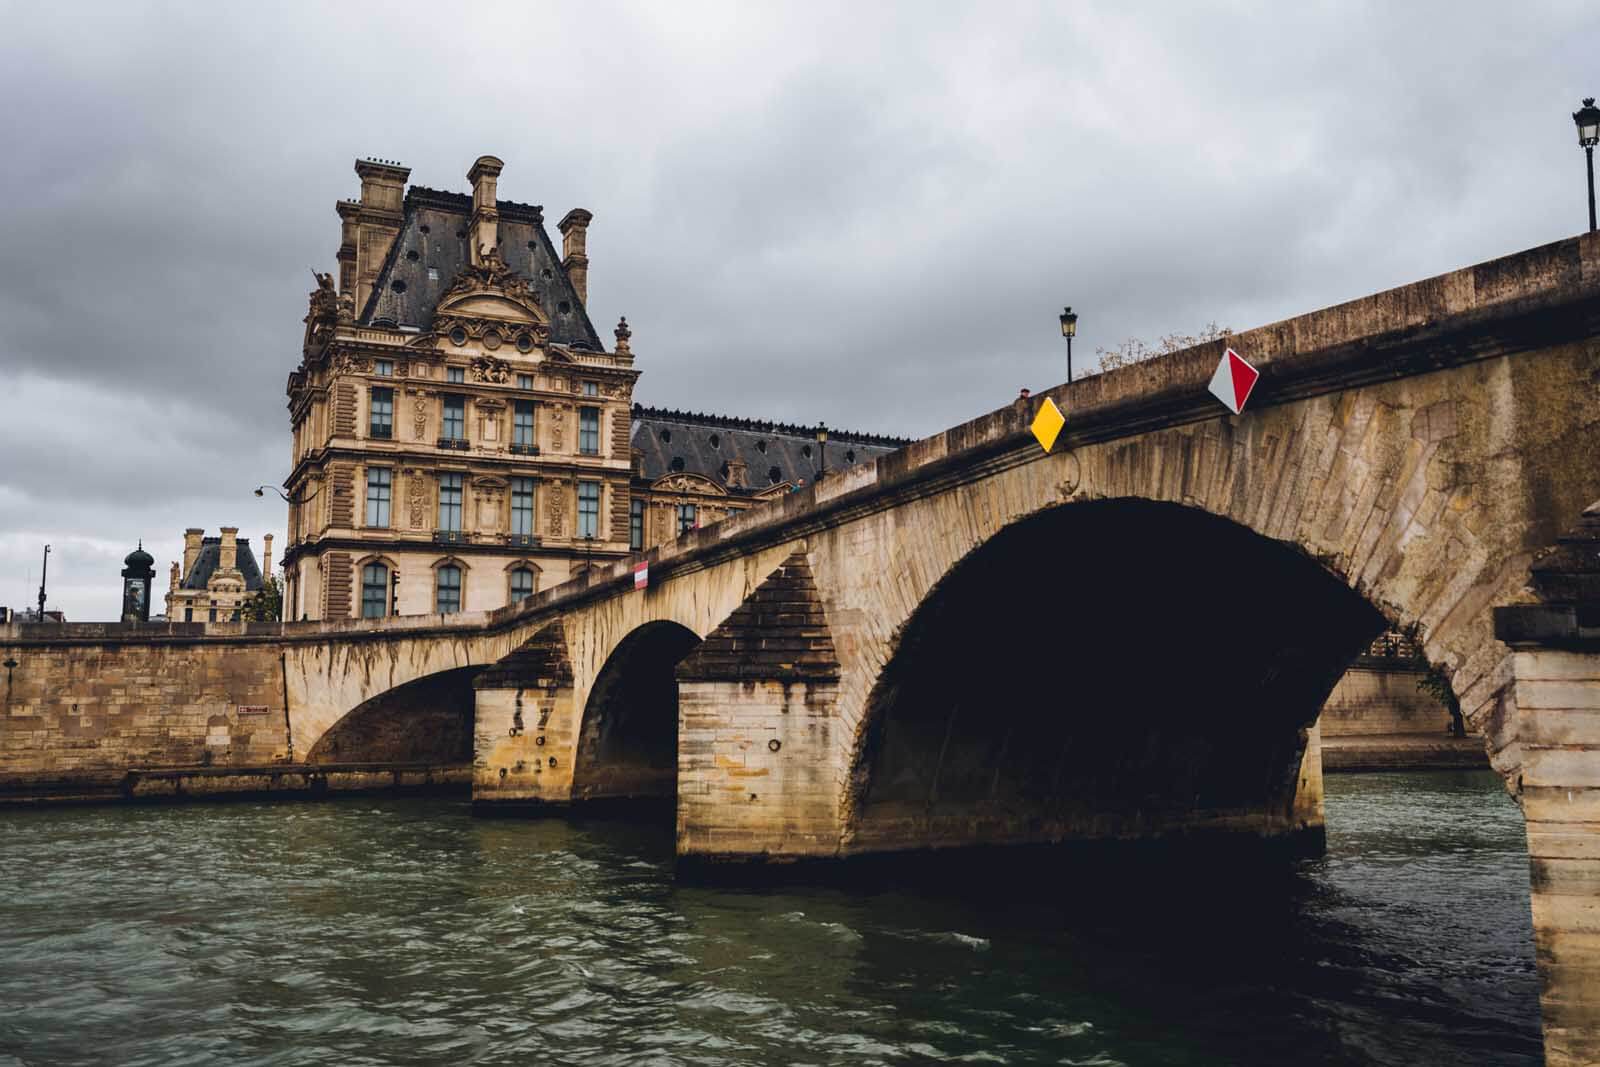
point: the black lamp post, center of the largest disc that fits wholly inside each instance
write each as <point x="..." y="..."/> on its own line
<point x="1587" y="118"/>
<point x="822" y="446"/>
<point x="42" y="572"/>
<point x="1069" y="330"/>
<point x="261" y="490"/>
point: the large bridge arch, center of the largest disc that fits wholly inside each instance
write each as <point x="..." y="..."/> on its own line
<point x="427" y="720"/>
<point x="1168" y="687"/>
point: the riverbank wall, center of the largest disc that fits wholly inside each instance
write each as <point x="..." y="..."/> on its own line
<point x="1380" y="718"/>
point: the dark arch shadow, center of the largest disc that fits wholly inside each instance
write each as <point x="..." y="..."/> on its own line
<point x="1109" y="669"/>
<point x="628" y="747"/>
<point x="427" y="720"/>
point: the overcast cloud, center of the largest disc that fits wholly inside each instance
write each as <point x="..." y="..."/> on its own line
<point x="869" y="214"/>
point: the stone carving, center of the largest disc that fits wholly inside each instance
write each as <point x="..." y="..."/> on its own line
<point x="348" y="364"/>
<point x="557" y="417"/>
<point x="492" y="273"/>
<point x="416" y="497"/>
<point x="617" y="390"/>
<point x="324" y="299"/>
<point x="489" y="369"/>
<point x="419" y="418"/>
<point x="556" y="518"/>
<point x="623" y="333"/>
<point x="663" y="526"/>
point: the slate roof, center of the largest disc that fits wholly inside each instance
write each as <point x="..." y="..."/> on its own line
<point x="447" y="218"/>
<point x="206" y="563"/>
<point x="772" y="452"/>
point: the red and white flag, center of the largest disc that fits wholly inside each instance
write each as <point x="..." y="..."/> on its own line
<point x="641" y="574"/>
<point x="1233" y="381"/>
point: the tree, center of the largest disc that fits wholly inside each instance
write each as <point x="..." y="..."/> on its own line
<point x="267" y="604"/>
<point x="1133" y="350"/>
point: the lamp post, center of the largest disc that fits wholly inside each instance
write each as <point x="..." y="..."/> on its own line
<point x="261" y="490"/>
<point x="1069" y="330"/>
<point x="1587" y="118"/>
<point x="822" y="445"/>
<point x="42" y="572"/>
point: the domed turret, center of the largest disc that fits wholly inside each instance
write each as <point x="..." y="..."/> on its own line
<point x="139" y="559"/>
<point x="138" y="576"/>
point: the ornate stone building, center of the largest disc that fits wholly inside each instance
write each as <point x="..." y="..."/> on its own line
<point x="218" y="575"/>
<point x="462" y="438"/>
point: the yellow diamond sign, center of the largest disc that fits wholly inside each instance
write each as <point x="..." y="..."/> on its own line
<point x="1047" y="424"/>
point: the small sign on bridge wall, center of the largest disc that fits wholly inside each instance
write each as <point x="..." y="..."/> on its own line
<point x="1233" y="381"/>
<point x="252" y="709"/>
<point x="641" y="574"/>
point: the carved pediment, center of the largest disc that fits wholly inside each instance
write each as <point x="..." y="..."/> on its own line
<point x="490" y="290"/>
<point x="688" y="483"/>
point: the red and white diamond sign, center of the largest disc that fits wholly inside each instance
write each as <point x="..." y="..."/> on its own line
<point x="641" y="574"/>
<point x="1233" y="381"/>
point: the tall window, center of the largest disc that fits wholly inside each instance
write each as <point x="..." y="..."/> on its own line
<point x="381" y="424"/>
<point x="522" y="505"/>
<point x="447" y="592"/>
<point x="591" y="388"/>
<point x="450" y="502"/>
<point x="455" y="418"/>
<point x="374" y="591"/>
<point x="636" y="524"/>
<point x="522" y="423"/>
<point x="589" y="431"/>
<point x="686" y="518"/>
<point x="521" y="584"/>
<point x="588" y="509"/>
<point x="455" y="374"/>
<point x="378" y="496"/>
<point x="383" y="368"/>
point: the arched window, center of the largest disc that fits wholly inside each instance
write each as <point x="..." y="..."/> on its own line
<point x="447" y="589"/>
<point x="521" y="584"/>
<point x="374" y="591"/>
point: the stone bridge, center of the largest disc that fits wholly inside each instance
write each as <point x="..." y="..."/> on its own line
<point x="974" y="642"/>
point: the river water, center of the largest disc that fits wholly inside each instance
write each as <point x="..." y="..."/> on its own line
<point x="368" y="931"/>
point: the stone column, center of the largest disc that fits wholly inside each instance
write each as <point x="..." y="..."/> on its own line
<point x="525" y="728"/>
<point x="1553" y="697"/>
<point x="757" y="701"/>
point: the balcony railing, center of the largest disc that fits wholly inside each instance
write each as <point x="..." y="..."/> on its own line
<point x="523" y="540"/>
<point x="524" y="449"/>
<point x="458" y="443"/>
<point x="448" y="537"/>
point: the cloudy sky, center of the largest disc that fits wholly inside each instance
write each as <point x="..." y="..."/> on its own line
<point x="869" y="214"/>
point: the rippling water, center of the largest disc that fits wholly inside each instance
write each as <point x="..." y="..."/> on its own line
<point x="404" y="931"/>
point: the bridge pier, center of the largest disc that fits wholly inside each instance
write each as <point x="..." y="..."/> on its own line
<point x="524" y="729"/>
<point x="1550" y="711"/>
<point x="757" y="699"/>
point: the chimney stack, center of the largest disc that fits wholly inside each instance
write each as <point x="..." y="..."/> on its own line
<point x="484" y="176"/>
<point x="575" y="250"/>
<point x="173" y="586"/>
<point x="228" y="557"/>
<point x="377" y="217"/>
<point x="191" y="549"/>
<point x="266" y="556"/>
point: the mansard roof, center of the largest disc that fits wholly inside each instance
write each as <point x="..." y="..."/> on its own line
<point x="205" y="564"/>
<point x="706" y="443"/>
<point x="433" y="237"/>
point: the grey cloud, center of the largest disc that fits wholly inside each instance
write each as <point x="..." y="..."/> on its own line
<point x="869" y="215"/>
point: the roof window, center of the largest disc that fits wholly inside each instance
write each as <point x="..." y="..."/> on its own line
<point x="774" y="475"/>
<point x="761" y="446"/>
<point x="398" y="285"/>
<point x="805" y="450"/>
<point x="676" y="464"/>
<point x="412" y="255"/>
<point x="666" y="435"/>
<point x="564" y="307"/>
<point x="716" y="442"/>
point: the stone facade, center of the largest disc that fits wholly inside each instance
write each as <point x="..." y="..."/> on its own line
<point x="459" y="433"/>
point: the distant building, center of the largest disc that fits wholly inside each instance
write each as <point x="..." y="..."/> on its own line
<point x="218" y="575"/>
<point x="10" y="615"/>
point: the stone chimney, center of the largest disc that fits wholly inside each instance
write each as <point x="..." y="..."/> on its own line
<point x="738" y="477"/>
<point x="228" y="557"/>
<point x="191" y="548"/>
<point x="378" y="217"/>
<point x="349" y="230"/>
<point x="484" y="176"/>
<point x="173" y="585"/>
<point x="266" y="556"/>
<point x="575" y="249"/>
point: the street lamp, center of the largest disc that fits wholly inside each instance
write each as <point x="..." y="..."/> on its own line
<point x="261" y="490"/>
<point x="42" y="572"/>
<point x="822" y="444"/>
<point x="1587" y="118"/>
<point x="1069" y="330"/>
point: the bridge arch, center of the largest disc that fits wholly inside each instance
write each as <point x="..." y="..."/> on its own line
<point x="1115" y="668"/>
<point x="628" y="738"/>
<point x="426" y="720"/>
